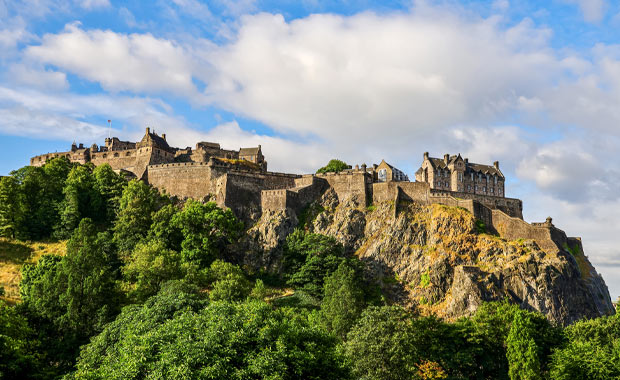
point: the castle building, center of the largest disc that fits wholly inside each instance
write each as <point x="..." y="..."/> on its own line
<point x="153" y="149"/>
<point x="457" y="174"/>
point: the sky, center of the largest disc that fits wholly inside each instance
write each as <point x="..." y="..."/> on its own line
<point x="534" y="85"/>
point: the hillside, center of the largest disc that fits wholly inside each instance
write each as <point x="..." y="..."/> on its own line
<point x="14" y="254"/>
<point x="441" y="260"/>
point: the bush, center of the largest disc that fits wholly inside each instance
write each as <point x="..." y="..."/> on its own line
<point x="334" y="166"/>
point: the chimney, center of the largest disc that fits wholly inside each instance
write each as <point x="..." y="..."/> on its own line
<point x="148" y="130"/>
<point x="466" y="160"/>
<point x="496" y="164"/>
<point x="426" y="155"/>
<point x="364" y="168"/>
<point x="81" y="146"/>
<point x="446" y="158"/>
<point x="163" y="136"/>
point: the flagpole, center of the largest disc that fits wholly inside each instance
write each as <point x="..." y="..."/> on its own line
<point x="109" y="128"/>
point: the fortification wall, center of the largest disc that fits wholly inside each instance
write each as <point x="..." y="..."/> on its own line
<point x="116" y="159"/>
<point x="547" y="237"/>
<point x="41" y="159"/>
<point x="308" y="190"/>
<point x="410" y="191"/>
<point x="511" y="206"/>
<point x="353" y="185"/>
<point x="185" y="179"/>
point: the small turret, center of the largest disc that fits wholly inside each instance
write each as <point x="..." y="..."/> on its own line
<point x="74" y="147"/>
<point x="496" y="164"/>
<point x="426" y="155"/>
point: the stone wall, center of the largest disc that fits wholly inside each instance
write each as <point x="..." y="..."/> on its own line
<point x="547" y="237"/>
<point x="121" y="159"/>
<point x="511" y="206"/>
<point x="354" y="185"/>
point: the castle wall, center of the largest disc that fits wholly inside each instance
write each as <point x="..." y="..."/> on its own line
<point x="511" y="206"/>
<point x="353" y="185"/>
<point x="41" y="159"/>
<point x="549" y="238"/>
<point x="121" y="159"/>
<point x="186" y="179"/>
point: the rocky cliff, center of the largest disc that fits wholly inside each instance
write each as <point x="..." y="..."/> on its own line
<point x="439" y="259"/>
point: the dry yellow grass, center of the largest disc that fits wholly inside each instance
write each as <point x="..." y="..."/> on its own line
<point x="14" y="254"/>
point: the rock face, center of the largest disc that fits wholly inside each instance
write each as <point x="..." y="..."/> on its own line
<point x="438" y="260"/>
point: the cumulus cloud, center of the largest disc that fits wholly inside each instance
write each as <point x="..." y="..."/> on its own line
<point x="93" y="4"/>
<point x="135" y="62"/>
<point x="593" y="10"/>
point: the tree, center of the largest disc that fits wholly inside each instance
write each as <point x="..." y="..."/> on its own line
<point x="110" y="187"/>
<point x="309" y="258"/>
<point x="81" y="200"/>
<point x="228" y="282"/>
<point x="334" y="166"/>
<point x="11" y="208"/>
<point x="522" y="351"/>
<point x="149" y="266"/>
<point x="378" y="346"/>
<point x="591" y="352"/>
<point x="76" y="294"/>
<point x="162" y="229"/>
<point x="206" y="230"/>
<point x="137" y="205"/>
<point x="247" y="340"/>
<point x="18" y="346"/>
<point x="343" y="301"/>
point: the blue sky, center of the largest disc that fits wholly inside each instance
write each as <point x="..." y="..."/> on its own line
<point x="535" y="85"/>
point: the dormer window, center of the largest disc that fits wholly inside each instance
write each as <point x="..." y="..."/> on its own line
<point x="495" y="179"/>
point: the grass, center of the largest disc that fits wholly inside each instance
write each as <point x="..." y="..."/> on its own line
<point x="14" y="254"/>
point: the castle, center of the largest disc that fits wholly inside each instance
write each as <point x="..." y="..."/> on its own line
<point x="239" y="180"/>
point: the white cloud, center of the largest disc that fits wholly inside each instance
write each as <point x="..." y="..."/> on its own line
<point x="135" y="62"/>
<point x="593" y="10"/>
<point x="93" y="4"/>
<point x="37" y="78"/>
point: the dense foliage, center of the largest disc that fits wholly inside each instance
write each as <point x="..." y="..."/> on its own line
<point x="149" y="289"/>
<point x="334" y="166"/>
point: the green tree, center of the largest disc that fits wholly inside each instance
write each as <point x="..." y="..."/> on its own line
<point x="522" y="352"/>
<point x="309" y="258"/>
<point x="77" y="294"/>
<point x="110" y="187"/>
<point x="18" y="346"/>
<point x="81" y="200"/>
<point x="378" y="346"/>
<point x="149" y="266"/>
<point x="162" y="229"/>
<point x="248" y="340"/>
<point x="137" y="205"/>
<point x="12" y="215"/>
<point x="206" y="230"/>
<point x="591" y="352"/>
<point x="228" y="282"/>
<point x="334" y="166"/>
<point x="343" y="301"/>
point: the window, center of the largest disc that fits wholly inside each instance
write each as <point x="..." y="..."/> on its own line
<point x="484" y="189"/>
<point x="479" y="177"/>
<point x="382" y="175"/>
<point x="472" y="176"/>
<point x="468" y="187"/>
<point x="447" y="184"/>
<point x="446" y="173"/>
<point x="491" y="190"/>
<point x="460" y="177"/>
<point x="495" y="179"/>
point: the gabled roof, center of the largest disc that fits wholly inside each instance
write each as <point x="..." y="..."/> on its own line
<point x="439" y="163"/>
<point x="151" y="139"/>
<point x="249" y="151"/>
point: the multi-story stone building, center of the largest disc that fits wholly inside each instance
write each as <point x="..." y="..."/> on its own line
<point x="457" y="174"/>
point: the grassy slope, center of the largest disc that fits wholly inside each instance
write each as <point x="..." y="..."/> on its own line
<point x="14" y="254"/>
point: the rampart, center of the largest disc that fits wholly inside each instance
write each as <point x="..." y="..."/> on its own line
<point x="355" y="185"/>
<point x="307" y="189"/>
